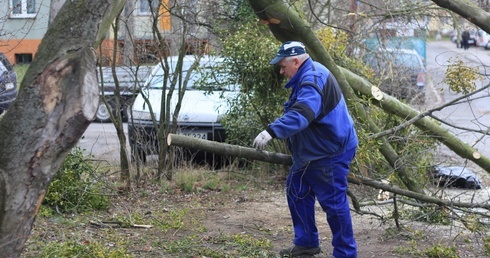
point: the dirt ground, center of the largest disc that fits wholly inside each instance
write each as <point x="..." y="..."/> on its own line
<point x="376" y="237"/>
<point x="372" y="234"/>
<point x="256" y="209"/>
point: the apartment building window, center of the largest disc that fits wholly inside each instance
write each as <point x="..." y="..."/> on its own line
<point x="144" y="6"/>
<point x="23" y="58"/>
<point x="22" y="8"/>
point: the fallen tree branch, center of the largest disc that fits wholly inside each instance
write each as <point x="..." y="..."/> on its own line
<point x="356" y="179"/>
<point x="228" y="149"/>
<point x="429" y="113"/>
<point x="393" y="106"/>
<point x="119" y="224"/>
<point x="284" y="159"/>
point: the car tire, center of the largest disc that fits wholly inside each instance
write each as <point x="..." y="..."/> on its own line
<point x="103" y="114"/>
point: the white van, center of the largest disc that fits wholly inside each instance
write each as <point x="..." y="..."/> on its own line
<point x="204" y="102"/>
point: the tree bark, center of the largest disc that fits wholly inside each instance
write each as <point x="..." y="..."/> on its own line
<point x="116" y="117"/>
<point x="57" y="100"/>
<point x="54" y="9"/>
<point x="228" y="149"/>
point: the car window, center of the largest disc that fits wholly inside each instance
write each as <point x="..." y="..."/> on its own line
<point x="380" y="61"/>
<point x="207" y="76"/>
<point x="407" y="60"/>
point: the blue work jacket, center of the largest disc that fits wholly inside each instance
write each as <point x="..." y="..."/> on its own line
<point x="316" y="121"/>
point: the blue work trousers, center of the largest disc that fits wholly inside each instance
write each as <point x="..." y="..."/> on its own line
<point x="325" y="180"/>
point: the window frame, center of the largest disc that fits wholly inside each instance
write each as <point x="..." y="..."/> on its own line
<point x="24" y="10"/>
<point x="146" y="12"/>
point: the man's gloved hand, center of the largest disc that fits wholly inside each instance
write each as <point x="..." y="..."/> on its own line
<point x="261" y="140"/>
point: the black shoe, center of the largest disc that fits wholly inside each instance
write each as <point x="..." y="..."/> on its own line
<point x="297" y="251"/>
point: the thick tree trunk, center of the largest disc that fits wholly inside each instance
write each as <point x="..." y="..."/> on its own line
<point x="37" y="147"/>
<point x="57" y="101"/>
<point x="55" y="8"/>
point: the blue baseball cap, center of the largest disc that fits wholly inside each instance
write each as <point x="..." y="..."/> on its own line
<point x="289" y="48"/>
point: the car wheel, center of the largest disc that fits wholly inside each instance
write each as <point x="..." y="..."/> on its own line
<point x="103" y="114"/>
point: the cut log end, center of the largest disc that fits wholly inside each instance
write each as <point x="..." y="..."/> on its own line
<point x="169" y="139"/>
<point x="476" y="155"/>
<point x="377" y="93"/>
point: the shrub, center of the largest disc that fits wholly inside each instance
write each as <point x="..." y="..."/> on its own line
<point x="74" y="188"/>
<point x="440" y="251"/>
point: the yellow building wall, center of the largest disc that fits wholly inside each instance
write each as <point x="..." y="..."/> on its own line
<point x="165" y="23"/>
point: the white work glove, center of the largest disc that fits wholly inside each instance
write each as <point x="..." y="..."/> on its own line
<point x="261" y="140"/>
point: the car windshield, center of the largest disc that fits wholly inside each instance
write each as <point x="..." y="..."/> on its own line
<point x="396" y="59"/>
<point x="406" y="60"/>
<point x="208" y="76"/>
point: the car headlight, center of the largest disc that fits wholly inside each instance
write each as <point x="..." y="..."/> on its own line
<point x="9" y="86"/>
<point x="141" y="115"/>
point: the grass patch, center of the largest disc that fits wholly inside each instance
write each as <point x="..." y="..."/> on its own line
<point x="196" y="180"/>
<point x="203" y="213"/>
<point x="176" y="216"/>
<point x="20" y="70"/>
<point x="433" y="251"/>
<point x="486" y="242"/>
<point x="85" y="248"/>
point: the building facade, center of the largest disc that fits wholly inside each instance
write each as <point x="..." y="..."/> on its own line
<point x="23" y="24"/>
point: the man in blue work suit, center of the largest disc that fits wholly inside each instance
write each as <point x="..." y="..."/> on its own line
<point x="321" y="136"/>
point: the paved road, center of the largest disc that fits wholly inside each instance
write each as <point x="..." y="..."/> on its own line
<point x="472" y="114"/>
<point x="100" y="140"/>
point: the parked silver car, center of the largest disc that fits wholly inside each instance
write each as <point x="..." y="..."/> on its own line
<point x="401" y="72"/>
<point x="201" y="108"/>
